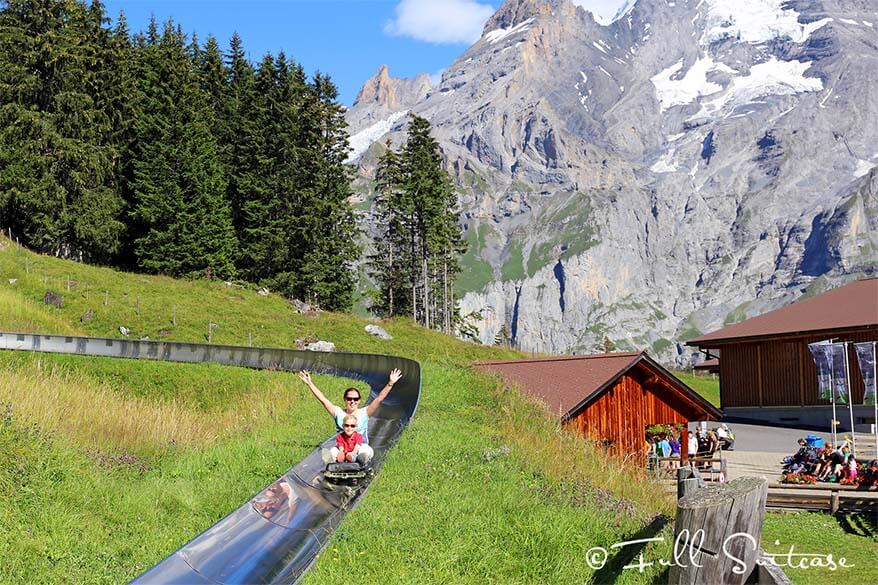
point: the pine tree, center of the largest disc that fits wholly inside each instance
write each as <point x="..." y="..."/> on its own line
<point x="213" y="76"/>
<point x="329" y="231"/>
<point x="417" y="206"/>
<point x="239" y="119"/>
<point x="392" y="260"/>
<point x="183" y="224"/>
<point x="193" y="153"/>
<point x="56" y="169"/>
<point x="262" y="211"/>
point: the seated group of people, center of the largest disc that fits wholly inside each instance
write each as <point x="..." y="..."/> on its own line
<point x="826" y="463"/>
<point x="352" y="421"/>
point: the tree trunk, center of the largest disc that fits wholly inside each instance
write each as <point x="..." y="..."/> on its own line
<point x="391" y="281"/>
<point x="426" y="293"/>
<point x="719" y="529"/>
<point x="413" y="275"/>
<point x="445" y="309"/>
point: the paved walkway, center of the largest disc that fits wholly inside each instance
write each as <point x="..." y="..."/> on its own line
<point x="753" y="464"/>
<point x="760" y="449"/>
<point x="768" y="439"/>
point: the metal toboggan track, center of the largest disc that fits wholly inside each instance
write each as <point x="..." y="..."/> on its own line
<point x="274" y="537"/>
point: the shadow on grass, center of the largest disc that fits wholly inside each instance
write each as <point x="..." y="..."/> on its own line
<point x="614" y="568"/>
<point x="865" y="525"/>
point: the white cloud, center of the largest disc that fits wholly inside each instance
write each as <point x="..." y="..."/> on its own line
<point x="448" y="21"/>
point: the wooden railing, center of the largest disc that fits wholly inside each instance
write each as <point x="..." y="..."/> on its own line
<point x="711" y="467"/>
<point x="845" y="499"/>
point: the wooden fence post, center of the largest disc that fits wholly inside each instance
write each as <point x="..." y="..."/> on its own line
<point x="688" y="481"/>
<point x="717" y="532"/>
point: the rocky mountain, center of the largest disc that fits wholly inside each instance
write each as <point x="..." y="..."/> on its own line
<point x="382" y="102"/>
<point x="688" y="165"/>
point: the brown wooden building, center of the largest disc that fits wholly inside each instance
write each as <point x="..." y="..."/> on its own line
<point x="608" y="397"/>
<point x="766" y="370"/>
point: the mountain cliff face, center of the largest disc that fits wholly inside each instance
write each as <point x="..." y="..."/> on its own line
<point x="690" y="164"/>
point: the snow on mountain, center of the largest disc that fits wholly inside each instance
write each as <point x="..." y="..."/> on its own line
<point x="673" y="90"/>
<point x="863" y="168"/>
<point x="623" y="11"/>
<point x="773" y="77"/>
<point x="755" y="21"/>
<point x="658" y="176"/>
<point x="665" y="164"/>
<point x="362" y="140"/>
<point x="499" y="34"/>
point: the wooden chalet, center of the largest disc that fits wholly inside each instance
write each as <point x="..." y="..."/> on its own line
<point x="766" y="370"/>
<point x="611" y="398"/>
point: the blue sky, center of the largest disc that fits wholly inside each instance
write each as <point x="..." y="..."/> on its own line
<point x="348" y="39"/>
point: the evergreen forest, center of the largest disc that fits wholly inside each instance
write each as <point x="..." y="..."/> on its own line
<point x="416" y="252"/>
<point x="156" y="152"/>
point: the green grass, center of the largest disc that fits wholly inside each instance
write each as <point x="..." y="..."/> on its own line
<point x="80" y="508"/>
<point x="853" y="537"/>
<point x="24" y="315"/>
<point x="147" y="305"/>
<point x="705" y="384"/>
<point x="540" y="256"/>
<point x="737" y="314"/>
<point x="688" y="331"/>
<point x="567" y="218"/>
<point x="513" y="267"/>
<point x="482" y="488"/>
<point x="469" y="496"/>
<point x="67" y="519"/>
<point x="661" y="344"/>
<point x="475" y="273"/>
<point x="97" y="483"/>
<point x="203" y="386"/>
<point x="474" y="182"/>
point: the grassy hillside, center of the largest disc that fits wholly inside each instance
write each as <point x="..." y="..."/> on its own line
<point x="108" y="465"/>
<point x="704" y="384"/>
<point x="163" y="308"/>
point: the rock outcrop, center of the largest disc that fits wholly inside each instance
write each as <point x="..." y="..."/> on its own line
<point x="688" y="165"/>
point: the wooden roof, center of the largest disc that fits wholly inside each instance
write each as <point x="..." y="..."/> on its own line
<point x="569" y="384"/>
<point x="708" y="365"/>
<point x="852" y="306"/>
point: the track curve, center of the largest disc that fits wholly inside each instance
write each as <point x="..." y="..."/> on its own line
<point x="274" y="537"/>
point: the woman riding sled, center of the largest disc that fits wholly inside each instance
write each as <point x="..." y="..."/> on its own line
<point x="352" y="408"/>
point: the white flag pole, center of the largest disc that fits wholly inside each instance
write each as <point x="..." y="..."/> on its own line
<point x="875" y="397"/>
<point x="832" y="394"/>
<point x="847" y="376"/>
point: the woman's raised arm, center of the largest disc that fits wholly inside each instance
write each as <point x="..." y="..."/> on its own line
<point x="395" y="376"/>
<point x="305" y="376"/>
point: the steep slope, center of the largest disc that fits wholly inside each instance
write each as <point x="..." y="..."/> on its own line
<point x="647" y="179"/>
<point x="106" y="465"/>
